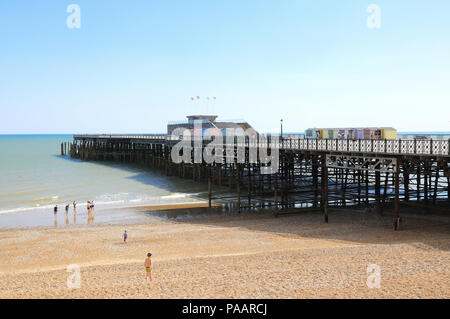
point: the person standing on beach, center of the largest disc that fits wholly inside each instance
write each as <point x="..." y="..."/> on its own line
<point x="92" y="207"/>
<point x="67" y="214"/>
<point x="148" y="267"/>
<point x="74" y="212"/>
<point x="88" y="207"/>
<point x="55" y="210"/>
<point x="125" y="236"/>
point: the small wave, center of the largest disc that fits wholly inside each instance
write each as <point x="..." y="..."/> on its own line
<point x="25" y="209"/>
<point x="111" y="196"/>
<point x="36" y="201"/>
<point x="41" y="199"/>
<point x="180" y="195"/>
<point x="174" y="196"/>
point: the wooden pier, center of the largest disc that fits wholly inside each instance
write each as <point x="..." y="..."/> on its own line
<point x="312" y="174"/>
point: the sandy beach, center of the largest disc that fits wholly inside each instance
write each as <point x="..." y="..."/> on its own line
<point x="246" y="256"/>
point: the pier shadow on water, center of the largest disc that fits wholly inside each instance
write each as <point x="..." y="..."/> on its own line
<point x="149" y="176"/>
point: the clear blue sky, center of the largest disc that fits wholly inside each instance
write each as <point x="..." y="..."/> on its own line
<point x="133" y="65"/>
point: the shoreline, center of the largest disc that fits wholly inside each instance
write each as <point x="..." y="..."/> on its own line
<point x="161" y="213"/>
<point x="107" y="215"/>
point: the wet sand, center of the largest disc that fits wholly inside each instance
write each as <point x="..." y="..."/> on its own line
<point x="246" y="256"/>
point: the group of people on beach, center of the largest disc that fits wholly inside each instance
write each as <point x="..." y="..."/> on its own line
<point x="90" y="207"/>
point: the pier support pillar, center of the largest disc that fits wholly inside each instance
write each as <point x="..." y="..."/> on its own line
<point x="397" y="201"/>
<point x="366" y="178"/>
<point x="238" y="185"/>
<point x="436" y="182"/>
<point x="315" y="180"/>
<point x="324" y="189"/>
<point x="275" y="195"/>
<point x="209" y="190"/>
<point x="425" y="184"/>
<point x="377" y="192"/>
<point x="249" y="186"/>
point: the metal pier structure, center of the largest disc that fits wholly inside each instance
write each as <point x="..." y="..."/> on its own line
<point x="312" y="174"/>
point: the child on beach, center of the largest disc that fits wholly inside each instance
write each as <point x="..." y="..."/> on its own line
<point x="125" y="235"/>
<point x="148" y="267"/>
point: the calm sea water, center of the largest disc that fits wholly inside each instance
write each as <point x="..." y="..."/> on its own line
<point x="34" y="178"/>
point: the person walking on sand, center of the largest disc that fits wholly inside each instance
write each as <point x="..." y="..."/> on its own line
<point x="74" y="205"/>
<point x="55" y="209"/>
<point x="92" y="207"/>
<point x="88" y="206"/>
<point x="125" y="236"/>
<point x="148" y="267"/>
<point x="67" y="208"/>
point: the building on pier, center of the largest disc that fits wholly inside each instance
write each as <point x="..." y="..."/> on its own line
<point x="209" y="126"/>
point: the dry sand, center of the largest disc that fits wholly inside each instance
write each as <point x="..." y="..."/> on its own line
<point x="247" y="256"/>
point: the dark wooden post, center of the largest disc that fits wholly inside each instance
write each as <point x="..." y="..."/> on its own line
<point x="325" y="188"/>
<point x="397" y="200"/>
<point x="315" y="179"/>
<point x="238" y="185"/>
<point x="377" y="192"/>
<point x="367" y="187"/>
<point x="359" y="187"/>
<point x="249" y="186"/>
<point x="425" y="183"/>
<point x="275" y="195"/>
<point x="418" y="181"/>
<point x="436" y="181"/>
<point x="209" y="190"/>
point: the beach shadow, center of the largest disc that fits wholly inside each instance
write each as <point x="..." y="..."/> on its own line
<point x="347" y="225"/>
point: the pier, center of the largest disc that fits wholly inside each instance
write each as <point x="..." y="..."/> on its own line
<point x="313" y="174"/>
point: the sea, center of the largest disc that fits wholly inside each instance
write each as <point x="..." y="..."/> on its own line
<point x="34" y="177"/>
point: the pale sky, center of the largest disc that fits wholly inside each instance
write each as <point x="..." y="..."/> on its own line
<point x="132" y="66"/>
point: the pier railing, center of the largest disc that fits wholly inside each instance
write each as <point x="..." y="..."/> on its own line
<point x="399" y="147"/>
<point x="123" y="136"/>
<point x="404" y="147"/>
